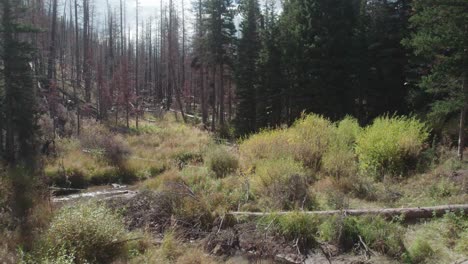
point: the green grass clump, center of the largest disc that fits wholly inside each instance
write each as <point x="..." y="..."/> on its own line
<point x="221" y="161"/>
<point x="380" y="235"/>
<point x="293" y="226"/>
<point x="420" y="250"/>
<point x="340" y="159"/>
<point x="282" y="184"/>
<point x="441" y="240"/>
<point x="88" y="232"/>
<point x="390" y="146"/>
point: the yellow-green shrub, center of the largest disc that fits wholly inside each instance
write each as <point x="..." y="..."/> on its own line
<point x="89" y="232"/>
<point x="268" y="144"/>
<point x="293" y="225"/>
<point x="390" y="145"/>
<point x="306" y="141"/>
<point x="282" y="184"/>
<point x="309" y="139"/>
<point x="221" y="161"/>
<point x="340" y="159"/>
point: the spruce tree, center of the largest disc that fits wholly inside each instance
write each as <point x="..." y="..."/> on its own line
<point x="441" y="38"/>
<point x="19" y="108"/>
<point x="246" y="73"/>
<point x="271" y="86"/>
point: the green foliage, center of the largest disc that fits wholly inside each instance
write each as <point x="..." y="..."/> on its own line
<point x="381" y="235"/>
<point x="221" y="161"/>
<point x="390" y="145"/>
<point x="267" y="144"/>
<point x="246" y="70"/>
<point x="438" y="241"/>
<point x="340" y="160"/>
<point x="420" y="250"/>
<point x="282" y="184"/>
<point x="170" y="247"/>
<point x="294" y="225"/>
<point x="440" y="38"/>
<point x="306" y="142"/>
<point x="309" y="139"/>
<point x="89" y="232"/>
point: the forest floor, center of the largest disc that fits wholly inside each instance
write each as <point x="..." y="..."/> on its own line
<point x="175" y="184"/>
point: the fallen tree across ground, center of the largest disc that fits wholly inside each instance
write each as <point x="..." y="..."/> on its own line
<point x="410" y="213"/>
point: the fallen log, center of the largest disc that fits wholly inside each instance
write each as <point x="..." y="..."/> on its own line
<point x="410" y="213"/>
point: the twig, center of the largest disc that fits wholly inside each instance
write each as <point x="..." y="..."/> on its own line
<point x="221" y="224"/>
<point x="325" y="253"/>
<point x="368" y="250"/>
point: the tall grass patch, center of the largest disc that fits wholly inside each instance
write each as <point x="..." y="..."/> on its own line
<point x="340" y="159"/>
<point x="282" y="184"/>
<point x="88" y="232"/>
<point x="221" y="161"/>
<point x="390" y="146"/>
<point x="297" y="226"/>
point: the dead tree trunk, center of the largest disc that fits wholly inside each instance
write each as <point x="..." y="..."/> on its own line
<point x="411" y="213"/>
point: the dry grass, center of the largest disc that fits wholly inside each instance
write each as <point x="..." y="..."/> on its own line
<point x="154" y="147"/>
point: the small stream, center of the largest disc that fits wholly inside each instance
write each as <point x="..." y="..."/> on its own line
<point x="99" y="192"/>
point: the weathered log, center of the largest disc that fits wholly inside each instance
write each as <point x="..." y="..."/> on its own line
<point x="410" y="213"/>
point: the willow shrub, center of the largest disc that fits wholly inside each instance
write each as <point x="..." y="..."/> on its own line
<point x="89" y="232"/>
<point x="306" y="142"/>
<point x="309" y="139"/>
<point x="282" y="184"/>
<point x="221" y="161"/>
<point x="340" y="158"/>
<point x="390" y="146"/>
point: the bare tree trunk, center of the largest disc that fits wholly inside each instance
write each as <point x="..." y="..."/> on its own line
<point x="221" y="95"/>
<point x="229" y="100"/>
<point x="203" y="95"/>
<point x="137" y="88"/>
<point x="213" y="102"/>
<point x="86" y="51"/>
<point x="52" y="48"/>
<point x="78" y="71"/>
<point x="461" y="131"/>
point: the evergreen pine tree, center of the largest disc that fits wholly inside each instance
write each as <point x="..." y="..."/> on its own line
<point x="441" y="38"/>
<point x="246" y="74"/>
<point x="18" y="108"/>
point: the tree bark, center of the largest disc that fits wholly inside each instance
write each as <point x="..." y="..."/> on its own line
<point x="411" y="213"/>
<point x="461" y="131"/>
<point x="77" y="82"/>
<point x="137" y="88"/>
<point x="52" y="48"/>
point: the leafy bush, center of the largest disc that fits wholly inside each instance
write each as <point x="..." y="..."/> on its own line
<point x="268" y="144"/>
<point x="293" y="226"/>
<point x="340" y="159"/>
<point x="379" y="234"/>
<point x="87" y="231"/>
<point x="347" y="131"/>
<point x="390" y="145"/>
<point x="282" y="184"/>
<point x="221" y="161"/>
<point x="306" y="142"/>
<point x="309" y="139"/>
<point x="420" y="250"/>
